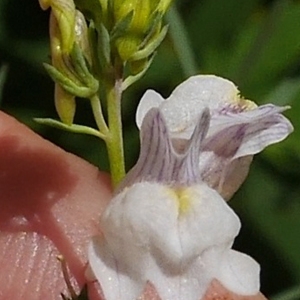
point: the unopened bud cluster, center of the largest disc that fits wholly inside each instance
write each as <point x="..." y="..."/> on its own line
<point x="92" y="42"/>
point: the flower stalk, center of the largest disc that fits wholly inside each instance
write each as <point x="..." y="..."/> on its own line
<point x="92" y="43"/>
<point x="114" y="141"/>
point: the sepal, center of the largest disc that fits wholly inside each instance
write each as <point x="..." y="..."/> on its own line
<point x="151" y="46"/>
<point x="70" y="86"/>
<point x="131" y="79"/>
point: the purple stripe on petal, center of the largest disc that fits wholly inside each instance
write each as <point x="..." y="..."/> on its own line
<point x="159" y="161"/>
<point x="234" y="136"/>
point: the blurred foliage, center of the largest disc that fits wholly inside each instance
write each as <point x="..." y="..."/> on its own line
<point x="254" y="43"/>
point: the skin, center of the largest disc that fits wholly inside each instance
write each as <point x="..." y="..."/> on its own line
<point x="50" y="204"/>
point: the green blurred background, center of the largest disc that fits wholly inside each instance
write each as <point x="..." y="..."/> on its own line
<point x="254" y="43"/>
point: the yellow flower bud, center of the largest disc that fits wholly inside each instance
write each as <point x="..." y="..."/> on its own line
<point x="81" y="35"/>
<point x="64" y="12"/>
<point x="55" y="41"/>
<point x="65" y="105"/>
<point x="142" y="18"/>
<point x="57" y="48"/>
<point x="127" y="45"/>
<point x="141" y="13"/>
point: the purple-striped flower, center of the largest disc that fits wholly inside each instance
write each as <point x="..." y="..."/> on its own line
<point x="168" y="227"/>
<point x="168" y="223"/>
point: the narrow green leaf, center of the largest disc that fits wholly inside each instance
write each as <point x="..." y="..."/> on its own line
<point x="93" y="39"/>
<point x="70" y="86"/>
<point x="80" y="64"/>
<point x="151" y="47"/>
<point x="71" y="128"/>
<point x="121" y="27"/>
<point x="134" y="78"/>
<point x="103" y="46"/>
<point x="153" y="25"/>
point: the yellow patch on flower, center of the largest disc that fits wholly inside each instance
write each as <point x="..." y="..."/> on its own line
<point x="247" y="104"/>
<point x="183" y="198"/>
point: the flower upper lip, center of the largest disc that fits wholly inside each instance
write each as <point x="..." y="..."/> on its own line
<point x="238" y="128"/>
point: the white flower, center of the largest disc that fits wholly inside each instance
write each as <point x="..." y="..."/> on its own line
<point x="238" y="128"/>
<point x="168" y="227"/>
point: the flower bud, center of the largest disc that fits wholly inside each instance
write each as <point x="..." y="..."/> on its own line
<point x="56" y="44"/>
<point x="65" y="105"/>
<point x="141" y="13"/>
<point x="64" y="12"/>
<point x="69" y="81"/>
<point x="144" y="14"/>
<point x="81" y="35"/>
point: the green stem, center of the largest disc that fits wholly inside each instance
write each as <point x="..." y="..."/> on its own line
<point x="181" y="43"/>
<point x="98" y="115"/>
<point x="114" y="141"/>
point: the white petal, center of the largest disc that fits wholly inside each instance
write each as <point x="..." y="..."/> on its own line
<point x="149" y="100"/>
<point x="114" y="281"/>
<point x="172" y="225"/>
<point x="190" y="284"/>
<point x="212" y="90"/>
<point x="206" y="222"/>
<point x="142" y="216"/>
<point x="187" y="101"/>
<point x="240" y="273"/>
